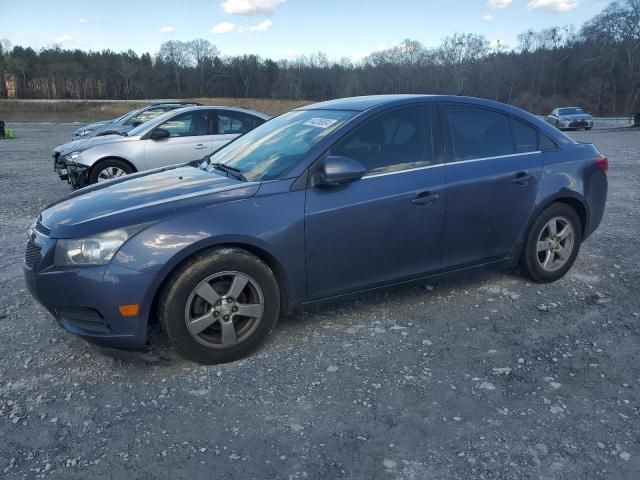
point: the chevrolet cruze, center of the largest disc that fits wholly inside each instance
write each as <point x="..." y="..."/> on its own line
<point x="322" y="202"/>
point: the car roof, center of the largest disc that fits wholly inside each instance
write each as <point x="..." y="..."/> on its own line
<point x="264" y="116"/>
<point x="370" y="102"/>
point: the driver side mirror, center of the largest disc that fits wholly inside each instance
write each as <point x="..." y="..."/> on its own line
<point x="337" y="170"/>
<point x="159" y="134"/>
<point x="136" y="123"/>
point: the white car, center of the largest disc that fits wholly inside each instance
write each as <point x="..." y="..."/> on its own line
<point x="177" y="136"/>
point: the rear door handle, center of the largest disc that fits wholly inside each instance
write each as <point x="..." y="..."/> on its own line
<point x="523" y="178"/>
<point x="425" y="198"/>
<point x="200" y="146"/>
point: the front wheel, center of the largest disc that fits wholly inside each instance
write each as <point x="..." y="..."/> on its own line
<point x="220" y="306"/>
<point x="108" y="169"/>
<point x="552" y="243"/>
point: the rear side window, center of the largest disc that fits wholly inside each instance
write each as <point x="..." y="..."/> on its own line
<point x="478" y="133"/>
<point x="394" y="141"/>
<point x="526" y="137"/>
<point x="236" y="122"/>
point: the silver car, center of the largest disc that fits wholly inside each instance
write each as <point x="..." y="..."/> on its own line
<point x="570" y="117"/>
<point x="178" y="136"/>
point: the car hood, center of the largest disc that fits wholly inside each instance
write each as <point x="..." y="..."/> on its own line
<point x="141" y="198"/>
<point x="90" y="142"/>
<point x="95" y="125"/>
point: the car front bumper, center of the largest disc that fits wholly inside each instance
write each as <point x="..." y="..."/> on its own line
<point x="78" y="174"/>
<point x="576" y="124"/>
<point x="85" y="301"/>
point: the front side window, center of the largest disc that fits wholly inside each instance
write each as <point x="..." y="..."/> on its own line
<point x="478" y="132"/>
<point x="394" y="141"/>
<point x="189" y="124"/>
<point x="526" y="137"/>
<point x="273" y="148"/>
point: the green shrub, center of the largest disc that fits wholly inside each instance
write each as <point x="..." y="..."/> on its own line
<point x="10" y="134"/>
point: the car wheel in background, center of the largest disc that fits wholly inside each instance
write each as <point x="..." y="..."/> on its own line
<point x="107" y="169"/>
<point x="552" y="244"/>
<point x="588" y="128"/>
<point x="219" y="306"/>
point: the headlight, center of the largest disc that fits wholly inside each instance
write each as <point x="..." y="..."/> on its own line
<point x="84" y="133"/>
<point x="95" y="250"/>
<point x="73" y="155"/>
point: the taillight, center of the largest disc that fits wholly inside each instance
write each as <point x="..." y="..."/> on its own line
<point x="602" y="162"/>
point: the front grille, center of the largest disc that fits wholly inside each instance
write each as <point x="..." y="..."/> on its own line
<point x="32" y="255"/>
<point x="40" y="228"/>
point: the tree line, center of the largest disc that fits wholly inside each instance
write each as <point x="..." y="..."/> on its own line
<point x="596" y="66"/>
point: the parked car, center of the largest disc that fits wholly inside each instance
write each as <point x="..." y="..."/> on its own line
<point x="325" y="201"/>
<point x="569" y="118"/>
<point x="177" y="136"/>
<point x="127" y="121"/>
<point x="119" y="125"/>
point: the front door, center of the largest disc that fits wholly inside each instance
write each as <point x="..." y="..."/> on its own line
<point x="387" y="226"/>
<point x="493" y="171"/>
<point x="190" y="139"/>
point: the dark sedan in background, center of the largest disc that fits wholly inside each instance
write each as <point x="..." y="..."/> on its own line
<point x="325" y="201"/>
<point x="567" y="118"/>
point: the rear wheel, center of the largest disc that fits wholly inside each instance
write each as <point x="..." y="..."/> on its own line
<point x="552" y="243"/>
<point x="108" y="169"/>
<point x="220" y="306"/>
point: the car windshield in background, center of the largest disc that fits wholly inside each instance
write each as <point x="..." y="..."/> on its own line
<point x="571" y="111"/>
<point x="273" y="148"/>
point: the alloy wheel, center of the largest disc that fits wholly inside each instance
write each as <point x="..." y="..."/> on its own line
<point x="555" y="244"/>
<point x="110" y="172"/>
<point x="224" y="309"/>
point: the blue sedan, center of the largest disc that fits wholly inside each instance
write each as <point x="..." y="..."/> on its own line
<point x="325" y="201"/>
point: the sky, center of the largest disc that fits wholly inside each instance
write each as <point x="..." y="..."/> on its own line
<point x="279" y="28"/>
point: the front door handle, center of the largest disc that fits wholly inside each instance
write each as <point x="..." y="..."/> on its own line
<point x="523" y="178"/>
<point x="200" y="146"/>
<point x="425" y="198"/>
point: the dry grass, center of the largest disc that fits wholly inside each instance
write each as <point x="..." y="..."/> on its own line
<point x="88" y="110"/>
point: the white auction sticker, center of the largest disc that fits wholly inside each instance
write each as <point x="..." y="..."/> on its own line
<point x="320" y="122"/>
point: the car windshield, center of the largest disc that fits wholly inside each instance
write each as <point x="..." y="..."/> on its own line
<point x="571" y="111"/>
<point x="127" y="115"/>
<point x="271" y="149"/>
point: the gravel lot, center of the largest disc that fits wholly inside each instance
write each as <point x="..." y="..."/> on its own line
<point x="482" y="376"/>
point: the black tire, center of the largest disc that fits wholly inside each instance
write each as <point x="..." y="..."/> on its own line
<point x="109" y="163"/>
<point x="588" y="128"/>
<point x="558" y="125"/>
<point x="173" y="301"/>
<point x="529" y="261"/>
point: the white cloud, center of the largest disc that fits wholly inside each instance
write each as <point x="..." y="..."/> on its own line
<point x="250" y="7"/>
<point x="293" y="53"/>
<point x="555" y="6"/>
<point x="224" y="27"/>
<point x="62" y="39"/>
<point x="84" y="20"/>
<point x="261" y="27"/>
<point x="168" y="29"/>
<point x="499" y="3"/>
<point x="488" y="17"/>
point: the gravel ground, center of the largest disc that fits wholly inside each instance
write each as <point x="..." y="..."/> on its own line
<point x="482" y="376"/>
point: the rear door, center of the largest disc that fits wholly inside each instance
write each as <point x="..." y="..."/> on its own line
<point x="494" y="167"/>
<point x="231" y="124"/>
<point x="190" y="139"/>
<point x="387" y="226"/>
